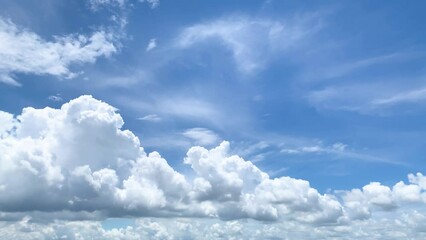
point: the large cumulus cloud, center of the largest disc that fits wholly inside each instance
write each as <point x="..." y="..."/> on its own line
<point x="78" y="163"/>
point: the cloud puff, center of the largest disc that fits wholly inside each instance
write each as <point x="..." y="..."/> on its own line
<point x="360" y="203"/>
<point x="77" y="163"/>
<point x="222" y="177"/>
<point x="151" y="45"/>
<point x="22" y="51"/>
<point x="201" y="136"/>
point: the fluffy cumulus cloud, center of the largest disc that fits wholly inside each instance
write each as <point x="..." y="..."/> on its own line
<point x="23" y="51"/>
<point x="78" y="163"/>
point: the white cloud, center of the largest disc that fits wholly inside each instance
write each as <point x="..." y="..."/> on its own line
<point x="7" y="122"/>
<point x="151" y="45"/>
<point x="312" y="149"/>
<point x="152" y="185"/>
<point x="251" y="41"/>
<point x="77" y="163"/>
<point x="372" y="98"/>
<point x="296" y="198"/>
<point x="223" y="177"/>
<point x="412" y="96"/>
<point x="347" y="98"/>
<point x="153" y="3"/>
<point x="201" y="136"/>
<point x="187" y="108"/>
<point x="339" y="146"/>
<point x="22" y="51"/>
<point x="340" y="69"/>
<point x="338" y="150"/>
<point x="360" y="203"/>
<point x="104" y="177"/>
<point x="407" y="193"/>
<point x="289" y="151"/>
<point x="97" y="3"/>
<point x="55" y="98"/>
<point x="151" y="118"/>
<point x="404" y="226"/>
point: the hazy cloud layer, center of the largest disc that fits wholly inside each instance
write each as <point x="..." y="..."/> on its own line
<point x="405" y="226"/>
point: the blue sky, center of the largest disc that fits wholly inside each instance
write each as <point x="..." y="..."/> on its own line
<point x="329" y="92"/>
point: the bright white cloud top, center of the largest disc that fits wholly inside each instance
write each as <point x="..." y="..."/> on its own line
<point x="78" y="163"/>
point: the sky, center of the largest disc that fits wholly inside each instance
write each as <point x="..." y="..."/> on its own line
<point x="155" y="119"/>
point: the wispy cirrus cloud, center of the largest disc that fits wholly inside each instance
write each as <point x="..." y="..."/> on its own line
<point x="363" y="85"/>
<point x="330" y="69"/>
<point x="251" y="41"/>
<point x="55" y="98"/>
<point x="339" y="147"/>
<point x="151" y="118"/>
<point x="338" y="150"/>
<point x="177" y="107"/>
<point x="372" y="98"/>
<point x="411" y="96"/>
<point x="201" y="136"/>
<point x="120" y="3"/>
